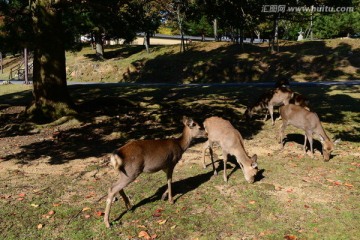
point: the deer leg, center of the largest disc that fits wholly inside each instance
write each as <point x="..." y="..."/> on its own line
<point x="271" y="111"/>
<point x="281" y="133"/>
<point x="205" y="146"/>
<point x="225" y="156"/>
<point x="305" y="140"/>
<point x="168" y="191"/>
<point x="126" y="199"/>
<point x="309" y="136"/>
<point x="117" y="187"/>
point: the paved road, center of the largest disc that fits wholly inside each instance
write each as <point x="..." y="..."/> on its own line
<point x="258" y="84"/>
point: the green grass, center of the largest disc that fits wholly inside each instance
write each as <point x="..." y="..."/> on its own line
<point x="297" y="196"/>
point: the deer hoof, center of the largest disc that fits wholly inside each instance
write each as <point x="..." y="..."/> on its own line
<point x="107" y="224"/>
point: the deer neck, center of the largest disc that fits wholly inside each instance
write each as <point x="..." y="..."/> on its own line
<point x="185" y="139"/>
<point x="321" y="132"/>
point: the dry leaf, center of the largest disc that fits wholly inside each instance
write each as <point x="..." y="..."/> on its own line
<point x="22" y="195"/>
<point x="56" y="204"/>
<point x="86" y="209"/>
<point x="290" y="237"/>
<point x="252" y="202"/>
<point x="40" y="226"/>
<point x="144" y="234"/>
<point x="87" y="216"/>
<point x="348" y="185"/>
<point x="161" y="222"/>
<point x="34" y="205"/>
<point x="52" y="212"/>
<point x="99" y="213"/>
<point x="172" y="227"/>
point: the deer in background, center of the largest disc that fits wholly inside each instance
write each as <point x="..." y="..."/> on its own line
<point x="296" y="98"/>
<point x="230" y="140"/>
<point x="299" y="117"/>
<point x="149" y="156"/>
<point x="270" y="99"/>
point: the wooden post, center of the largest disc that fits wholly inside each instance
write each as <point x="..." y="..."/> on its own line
<point x="26" y="79"/>
<point x="1" y="63"/>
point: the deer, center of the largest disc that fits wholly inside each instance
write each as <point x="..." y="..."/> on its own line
<point x="221" y="131"/>
<point x="274" y="97"/>
<point x="308" y="121"/>
<point x="149" y="156"/>
<point x="300" y="100"/>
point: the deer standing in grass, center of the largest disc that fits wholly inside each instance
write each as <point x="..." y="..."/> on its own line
<point x="149" y="156"/>
<point x="230" y="140"/>
<point x="270" y="99"/>
<point x="300" y="117"/>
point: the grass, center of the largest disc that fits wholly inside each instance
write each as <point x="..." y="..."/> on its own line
<point x="63" y="172"/>
<point x="314" y="61"/>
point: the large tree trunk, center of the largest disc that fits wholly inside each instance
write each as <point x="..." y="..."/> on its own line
<point x="51" y="97"/>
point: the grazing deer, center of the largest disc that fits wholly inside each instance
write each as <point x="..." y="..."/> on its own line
<point x="274" y="97"/>
<point x="230" y="140"/>
<point x="300" y="100"/>
<point x="308" y="121"/>
<point x="149" y="156"/>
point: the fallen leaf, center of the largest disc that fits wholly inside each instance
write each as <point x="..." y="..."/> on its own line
<point x="252" y="202"/>
<point x="144" y="234"/>
<point x="40" y="226"/>
<point x="99" y="213"/>
<point x="154" y="236"/>
<point x="290" y="237"/>
<point x="289" y="190"/>
<point x="20" y="199"/>
<point x="306" y="206"/>
<point x="52" y="212"/>
<point x="172" y="227"/>
<point x="337" y="183"/>
<point x="86" y="209"/>
<point x="348" y="185"/>
<point x="22" y="195"/>
<point x="141" y="226"/>
<point x="35" y="205"/>
<point x="161" y="222"/>
<point x="56" y="204"/>
<point x="87" y="216"/>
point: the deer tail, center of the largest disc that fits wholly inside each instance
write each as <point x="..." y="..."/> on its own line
<point x="115" y="160"/>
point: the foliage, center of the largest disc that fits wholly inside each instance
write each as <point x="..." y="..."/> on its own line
<point x="337" y="25"/>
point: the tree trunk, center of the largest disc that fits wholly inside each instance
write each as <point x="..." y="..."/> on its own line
<point x="99" y="45"/>
<point x="51" y="97"/>
<point x="275" y="34"/>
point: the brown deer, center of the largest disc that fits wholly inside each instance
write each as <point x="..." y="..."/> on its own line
<point x="149" y="156"/>
<point x="299" y="117"/>
<point x="300" y="100"/>
<point x="230" y="140"/>
<point x="270" y="99"/>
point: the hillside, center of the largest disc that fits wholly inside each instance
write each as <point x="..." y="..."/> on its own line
<point x="209" y="62"/>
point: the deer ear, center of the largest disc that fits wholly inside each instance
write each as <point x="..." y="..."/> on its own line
<point x="254" y="165"/>
<point x="254" y="158"/>
<point x="337" y="141"/>
<point x="321" y="139"/>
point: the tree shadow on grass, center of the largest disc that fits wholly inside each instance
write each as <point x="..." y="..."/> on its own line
<point x="179" y="188"/>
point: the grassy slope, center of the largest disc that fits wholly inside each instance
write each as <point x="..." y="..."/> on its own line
<point x="222" y="62"/>
<point x="337" y="59"/>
